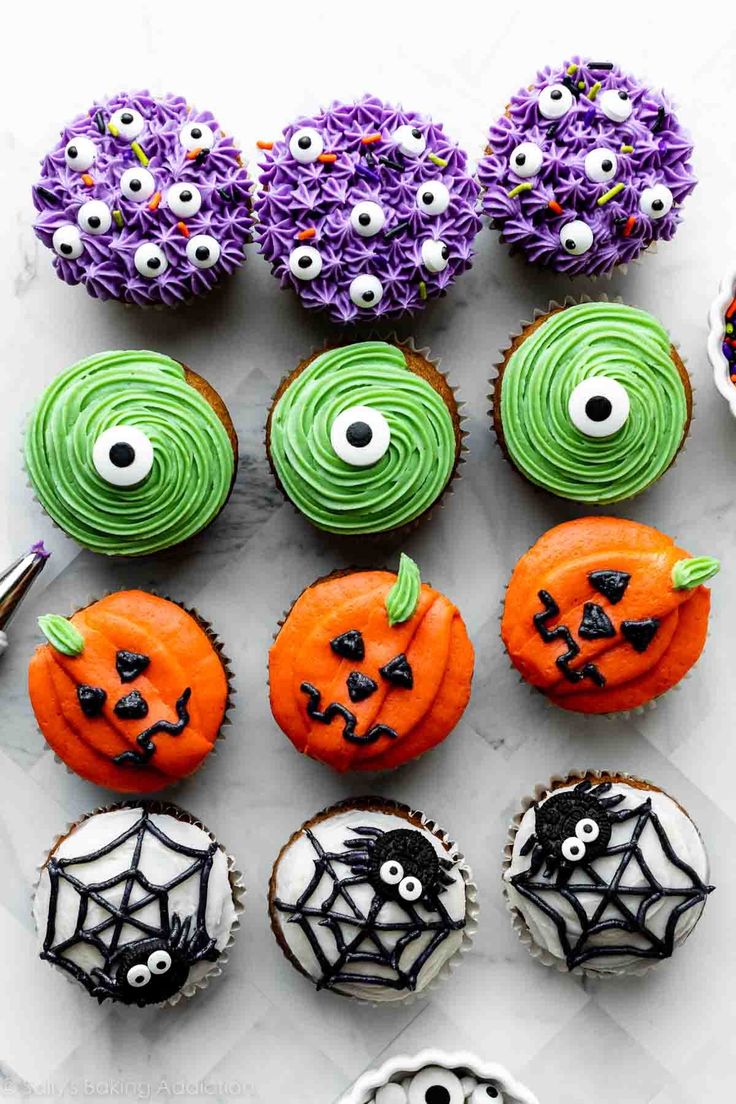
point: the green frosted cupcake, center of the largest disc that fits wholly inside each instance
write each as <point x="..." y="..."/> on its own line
<point x="592" y="402"/>
<point x="131" y="452"/>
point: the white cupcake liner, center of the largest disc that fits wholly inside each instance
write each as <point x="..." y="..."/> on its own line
<point x="716" y="336"/>
<point x="462" y="1063"/>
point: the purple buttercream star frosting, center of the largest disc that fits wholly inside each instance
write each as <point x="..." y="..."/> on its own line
<point x="144" y="200"/>
<point x="587" y="167"/>
<point x="366" y="210"/>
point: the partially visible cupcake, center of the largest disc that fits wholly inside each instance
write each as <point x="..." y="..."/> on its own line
<point x="370" y="669"/>
<point x="592" y="402"/>
<point x="371" y="900"/>
<point x="130" y="452"/>
<point x="131" y="692"/>
<point x="144" y="199"/>
<point x="366" y="210"/>
<point x="604" y="873"/>
<point x="138" y="903"/>
<point x="587" y="167"/>
<point x="604" y="615"/>
<point x="436" y="1077"/>
<point x="364" y="438"/>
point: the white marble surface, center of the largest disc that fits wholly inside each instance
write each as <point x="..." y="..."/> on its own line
<point x="262" y="1034"/>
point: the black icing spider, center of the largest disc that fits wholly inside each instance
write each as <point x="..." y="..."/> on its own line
<point x="401" y="865"/>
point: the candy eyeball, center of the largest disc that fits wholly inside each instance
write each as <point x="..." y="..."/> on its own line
<point x="67" y="242"/>
<point x="94" y="217"/>
<point x="576" y="237"/>
<point x="138" y="976"/>
<point x="159" y="962"/>
<point x="410" y="889"/>
<point x="587" y="830"/>
<point x="80" y="153"/>
<point x="361" y="436"/>
<point x="410" y="140"/>
<point x="390" y="1094"/>
<point x="433" y="198"/>
<point x="367" y="218"/>
<point x="573" y="849"/>
<point x="555" y="101"/>
<point x="656" y="202"/>
<point x="486" y="1094"/>
<point x="391" y="872"/>
<point x="184" y="200"/>
<point x="123" y="457"/>
<point x="435" y="255"/>
<point x="137" y="184"/>
<point x="366" y="291"/>
<point x="128" y="123"/>
<point x="196" y="136"/>
<point x="599" y="406"/>
<point x="150" y="260"/>
<point x="600" y="165"/>
<point x="203" y="251"/>
<point x="306" y="145"/>
<point x="305" y="262"/>
<point x="616" y="104"/>
<point x="434" y="1085"/>
<point x="526" y="160"/>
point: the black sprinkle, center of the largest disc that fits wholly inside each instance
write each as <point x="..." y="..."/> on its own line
<point x="100" y="122"/>
<point x="47" y="195"/>
<point x="391" y="164"/>
<point x="659" y="121"/>
<point x="201" y="156"/>
<point x="569" y="83"/>
<point x="399" y="228"/>
<point x="600" y="65"/>
<point x="552" y="130"/>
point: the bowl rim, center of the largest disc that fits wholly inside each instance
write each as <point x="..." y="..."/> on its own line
<point x="716" y="334"/>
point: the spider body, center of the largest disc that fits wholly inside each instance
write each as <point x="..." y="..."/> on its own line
<point x="401" y="865"/>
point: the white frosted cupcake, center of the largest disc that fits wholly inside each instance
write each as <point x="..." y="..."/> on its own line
<point x="435" y="1077"/>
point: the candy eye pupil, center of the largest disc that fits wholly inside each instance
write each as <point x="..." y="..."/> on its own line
<point x="126" y="118"/>
<point x="657" y="204"/>
<point x="135" y="184"/>
<point x="623" y="95"/>
<point x="364" y="219"/>
<point x="196" y="132"/>
<point x="65" y="248"/>
<point x="556" y="94"/>
<point x="359" y="434"/>
<point x="121" y="454"/>
<point x="416" y="133"/>
<point x="445" y="252"/>
<point x="154" y="262"/>
<point x="304" y="142"/>
<point x="93" y="221"/>
<point x="569" y="243"/>
<point x="427" y="197"/>
<point x="368" y="296"/>
<point x="606" y="165"/>
<point x="598" y="408"/>
<point x="201" y="253"/>
<point x="304" y="262"/>
<point x="437" y="1094"/>
<point x="520" y="159"/>
<point x="185" y="196"/>
<point x="73" y="152"/>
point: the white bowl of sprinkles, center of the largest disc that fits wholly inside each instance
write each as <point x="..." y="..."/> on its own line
<point x="722" y="336"/>
<point x="453" y="1078"/>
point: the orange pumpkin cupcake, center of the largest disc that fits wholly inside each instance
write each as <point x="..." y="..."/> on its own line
<point x="370" y="669"/>
<point x="604" y="615"/>
<point x="130" y="692"/>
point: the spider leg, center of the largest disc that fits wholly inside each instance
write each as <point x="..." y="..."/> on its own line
<point x="584" y="786"/>
<point x="609" y="802"/>
<point x="601" y="788"/>
<point x="528" y="844"/>
<point x="104" y="985"/>
<point x="564" y="873"/>
<point x="537" y="859"/>
<point x="551" y="867"/>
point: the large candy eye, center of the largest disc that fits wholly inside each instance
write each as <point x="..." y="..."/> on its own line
<point x="184" y="200"/>
<point x="435" y="255"/>
<point x="94" y="216"/>
<point x="657" y="201"/>
<point x="433" y="197"/>
<point x="410" y="140"/>
<point x="203" y="251"/>
<point x="599" y="406"/>
<point x="123" y="456"/>
<point x="137" y="184"/>
<point x="196" y="136"/>
<point x="67" y="242"/>
<point x="159" y="962"/>
<point x="615" y="105"/>
<point x="391" y="872"/>
<point x="576" y="237"/>
<point x="573" y="849"/>
<point x="434" y="1085"/>
<point x="555" y="101"/>
<point x="80" y="153"/>
<point x="367" y="218"/>
<point x="138" y="976"/>
<point x="305" y="145"/>
<point x="587" y="830"/>
<point x="486" y="1094"/>
<point x="366" y="291"/>
<point x="360" y="436"/>
<point x="411" y="889"/>
<point x="128" y="122"/>
<point x="305" y="262"/>
<point x="600" y="165"/>
<point x="150" y="260"/>
<point x="526" y="159"/>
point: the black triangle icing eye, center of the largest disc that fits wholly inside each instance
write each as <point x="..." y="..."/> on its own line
<point x="129" y="665"/>
<point x="91" y="699"/>
<point x="611" y="584"/>
<point x="132" y="706"/>
<point x="349" y="645"/>
<point x="595" y="623"/>
<point x="360" y="686"/>
<point x="398" y="672"/>
<point x="640" y="634"/>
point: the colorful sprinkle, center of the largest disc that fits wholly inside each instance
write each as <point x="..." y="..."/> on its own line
<point x="554" y="206"/>
<point x="525" y="186"/>
<point x="100" y="122"/>
<point x="731" y="308"/>
<point x="399" y="228"/>
<point x="439" y="161"/>
<point x="605" y="65"/>
<point x="305" y="235"/>
<point x="370" y="139"/>
<point x="154" y="201"/>
<point x="183" y="229"/>
<point x="265" y="145"/>
<point x="581" y="85"/>
<point x="138" y="150"/>
<point x="113" y="130"/>
<point x="327" y="158"/>
<point x="201" y="156"/>
<point x="422" y="290"/>
<point x="390" y="163"/>
<point x="659" y="121"/>
<point x="572" y="69"/>
<point x="117" y="218"/>
<point x="630" y="224"/>
<point x="552" y="130"/>
<point x="48" y="196"/>
<point x="611" y="193"/>
<point x="193" y="154"/>
<point x="627" y="149"/>
<point x="595" y="90"/>
<point x="87" y="179"/>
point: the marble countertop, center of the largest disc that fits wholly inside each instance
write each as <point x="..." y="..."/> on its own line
<point x="262" y="1034"/>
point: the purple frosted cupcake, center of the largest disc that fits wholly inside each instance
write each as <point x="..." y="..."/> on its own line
<point x="144" y="200"/>
<point x="586" y="169"/>
<point x="366" y="210"/>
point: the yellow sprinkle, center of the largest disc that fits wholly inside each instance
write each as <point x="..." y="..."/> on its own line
<point x="627" y="149"/>
<point x="572" y="69"/>
<point x="595" y="90"/>
<point x="525" y="187"/>
<point x="729" y="328"/>
<point x="440" y="161"/>
<point x="611" y="193"/>
<point x="422" y="290"/>
<point x="581" y="84"/>
<point x="118" y="218"/>
<point x="139" y="152"/>
<point x="113" y="129"/>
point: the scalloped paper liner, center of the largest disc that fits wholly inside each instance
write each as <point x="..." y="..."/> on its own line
<point x="541" y="954"/>
<point x="716" y="336"/>
<point x="461" y="1063"/>
<point x="472" y="908"/>
<point x="235" y="877"/>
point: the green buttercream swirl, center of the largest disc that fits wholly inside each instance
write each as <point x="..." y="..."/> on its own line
<point x="593" y="339"/>
<point x="407" y="479"/>
<point x="687" y="574"/>
<point x="193" y="461"/>
<point x="401" y="600"/>
<point x="61" y="634"/>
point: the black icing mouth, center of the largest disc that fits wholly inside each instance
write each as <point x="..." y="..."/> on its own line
<point x="336" y="709"/>
<point x="145" y="739"/>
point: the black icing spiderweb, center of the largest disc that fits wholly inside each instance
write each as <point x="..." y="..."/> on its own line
<point x="122" y="897"/>
<point x="630" y="903"/>
<point x="359" y="934"/>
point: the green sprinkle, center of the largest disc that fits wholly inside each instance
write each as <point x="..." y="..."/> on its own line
<point x="117" y="216"/>
<point x="595" y="90"/>
<point x="611" y="193"/>
<point x="139" y="152"/>
<point x="571" y="69"/>
<point x="525" y="187"/>
<point x="61" y="634"/>
<point x="627" y="149"/>
<point x="403" y="597"/>
<point x="422" y="290"/>
<point x="729" y="327"/>
<point x="688" y="574"/>
<point x="439" y="161"/>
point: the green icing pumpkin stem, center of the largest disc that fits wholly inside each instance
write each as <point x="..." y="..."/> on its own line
<point x="61" y="634"/>
<point x="693" y="572"/>
<point x="402" y="599"/>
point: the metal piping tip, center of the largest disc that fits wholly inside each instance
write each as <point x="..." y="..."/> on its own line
<point x="17" y="579"/>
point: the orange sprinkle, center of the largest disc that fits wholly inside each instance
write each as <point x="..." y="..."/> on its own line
<point x="183" y="229"/>
<point x="327" y="158"/>
<point x="265" y="145"/>
<point x="154" y="202"/>
<point x="554" y="206"/>
<point x="733" y="377"/>
<point x="304" y="235"/>
<point x="192" y="155"/>
<point x="370" y="139"/>
<point x="87" y="180"/>
<point x="630" y="224"/>
<point x="731" y="308"/>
